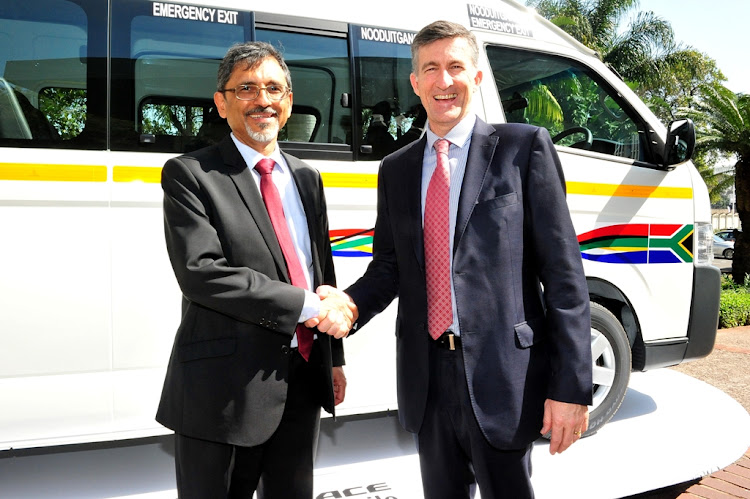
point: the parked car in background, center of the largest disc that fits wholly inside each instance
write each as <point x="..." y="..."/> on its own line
<point x="726" y="234"/>
<point x="722" y="248"/>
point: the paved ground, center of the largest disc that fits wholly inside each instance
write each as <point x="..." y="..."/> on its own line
<point x="726" y="368"/>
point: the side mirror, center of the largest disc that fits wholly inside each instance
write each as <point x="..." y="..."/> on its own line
<point x="680" y="142"/>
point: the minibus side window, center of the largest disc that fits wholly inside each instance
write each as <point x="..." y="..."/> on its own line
<point x="45" y="69"/>
<point x="568" y="99"/>
<point x="320" y="75"/>
<point x="391" y="114"/>
<point x="164" y="69"/>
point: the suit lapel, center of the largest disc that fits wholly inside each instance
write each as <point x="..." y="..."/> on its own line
<point x="481" y="152"/>
<point x="412" y="181"/>
<point x="250" y="194"/>
<point x="307" y="188"/>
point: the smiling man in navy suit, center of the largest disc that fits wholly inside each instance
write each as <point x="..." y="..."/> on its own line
<point x="511" y="359"/>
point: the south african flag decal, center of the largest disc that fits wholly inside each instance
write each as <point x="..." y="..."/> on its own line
<point x="638" y="243"/>
<point x="351" y="242"/>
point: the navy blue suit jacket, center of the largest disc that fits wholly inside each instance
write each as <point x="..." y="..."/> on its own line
<point x="521" y="293"/>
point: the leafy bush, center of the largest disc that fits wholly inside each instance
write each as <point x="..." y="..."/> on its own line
<point x="728" y="283"/>
<point x="734" y="305"/>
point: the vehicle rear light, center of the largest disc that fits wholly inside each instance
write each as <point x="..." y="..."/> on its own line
<point x="703" y="241"/>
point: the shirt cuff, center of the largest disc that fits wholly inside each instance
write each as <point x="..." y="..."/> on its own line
<point x="311" y="307"/>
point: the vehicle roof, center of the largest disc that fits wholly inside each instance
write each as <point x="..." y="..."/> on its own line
<point x="496" y="18"/>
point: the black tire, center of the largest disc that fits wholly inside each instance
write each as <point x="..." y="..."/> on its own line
<point x="728" y="253"/>
<point x="611" y="358"/>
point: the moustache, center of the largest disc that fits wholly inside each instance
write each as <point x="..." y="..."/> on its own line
<point x="266" y="110"/>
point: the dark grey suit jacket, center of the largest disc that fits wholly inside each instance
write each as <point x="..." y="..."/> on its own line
<point x="513" y="235"/>
<point x="227" y="376"/>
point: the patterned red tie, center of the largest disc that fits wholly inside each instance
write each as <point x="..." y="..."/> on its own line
<point x="437" y="251"/>
<point x="276" y="211"/>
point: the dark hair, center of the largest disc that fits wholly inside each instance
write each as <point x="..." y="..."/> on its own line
<point x="251" y="54"/>
<point x="440" y="30"/>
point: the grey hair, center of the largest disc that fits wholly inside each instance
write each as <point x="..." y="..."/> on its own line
<point x="251" y="54"/>
<point x="440" y="30"/>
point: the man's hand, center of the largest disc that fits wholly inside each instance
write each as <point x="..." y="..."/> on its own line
<point x="339" y="385"/>
<point x="565" y="422"/>
<point x="337" y="312"/>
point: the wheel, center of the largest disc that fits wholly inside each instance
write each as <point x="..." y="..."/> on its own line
<point x="610" y="352"/>
<point x="586" y="143"/>
<point x="728" y="253"/>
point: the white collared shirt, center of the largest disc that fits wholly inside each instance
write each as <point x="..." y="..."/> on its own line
<point x="460" y="139"/>
<point x="295" y="216"/>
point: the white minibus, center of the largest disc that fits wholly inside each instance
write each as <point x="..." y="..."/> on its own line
<point x="96" y="95"/>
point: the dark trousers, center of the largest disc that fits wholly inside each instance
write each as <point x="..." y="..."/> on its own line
<point x="454" y="456"/>
<point x="280" y="468"/>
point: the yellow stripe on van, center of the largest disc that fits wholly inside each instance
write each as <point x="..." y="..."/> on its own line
<point x="351" y="180"/>
<point x="152" y="174"/>
<point x="147" y="174"/>
<point x="53" y="173"/>
<point x="629" y="191"/>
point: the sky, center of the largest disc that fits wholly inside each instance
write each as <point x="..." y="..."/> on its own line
<point x="718" y="28"/>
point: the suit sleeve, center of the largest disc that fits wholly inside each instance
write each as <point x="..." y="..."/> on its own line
<point x="378" y="287"/>
<point x="203" y="272"/>
<point x="560" y="269"/>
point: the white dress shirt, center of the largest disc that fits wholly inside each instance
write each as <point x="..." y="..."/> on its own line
<point x="460" y="140"/>
<point x="296" y="220"/>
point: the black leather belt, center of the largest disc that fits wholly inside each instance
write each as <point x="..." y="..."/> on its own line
<point x="449" y="341"/>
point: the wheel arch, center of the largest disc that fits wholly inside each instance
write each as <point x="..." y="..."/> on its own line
<point x="613" y="299"/>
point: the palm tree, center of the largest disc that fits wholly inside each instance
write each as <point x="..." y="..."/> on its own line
<point x="683" y="74"/>
<point x="667" y="76"/>
<point x="678" y="86"/>
<point x="723" y="124"/>
<point x="720" y="182"/>
<point x="637" y="53"/>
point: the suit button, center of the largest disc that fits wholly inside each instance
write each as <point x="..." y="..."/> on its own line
<point x="285" y="350"/>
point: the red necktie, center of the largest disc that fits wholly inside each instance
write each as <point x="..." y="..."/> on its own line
<point x="437" y="251"/>
<point x="276" y="211"/>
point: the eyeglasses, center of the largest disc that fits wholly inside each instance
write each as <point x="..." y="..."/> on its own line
<point x="251" y="91"/>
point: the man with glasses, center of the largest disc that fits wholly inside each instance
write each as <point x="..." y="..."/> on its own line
<point x="247" y="236"/>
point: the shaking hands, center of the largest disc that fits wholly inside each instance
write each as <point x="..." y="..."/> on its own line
<point x="337" y="312"/>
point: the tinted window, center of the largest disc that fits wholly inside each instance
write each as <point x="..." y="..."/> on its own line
<point x="568" y="99"/>
<point x="164" y="66"/>
<point x="51" y="74"/>
<point x="390" y="112"/>
<point x="320" y="75"/>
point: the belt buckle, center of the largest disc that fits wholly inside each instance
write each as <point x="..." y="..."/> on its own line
<point x="451" y="341"/>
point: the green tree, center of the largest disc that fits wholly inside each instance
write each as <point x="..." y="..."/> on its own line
<point x="65" y="109"/>
<point x="705" y="159"/>
<point x="723" y="125"/>
<point x="682" y="74"/>
<point x="668" y="77"/>
<point x="177" y="120"/>
<point x="635" y="52"/>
